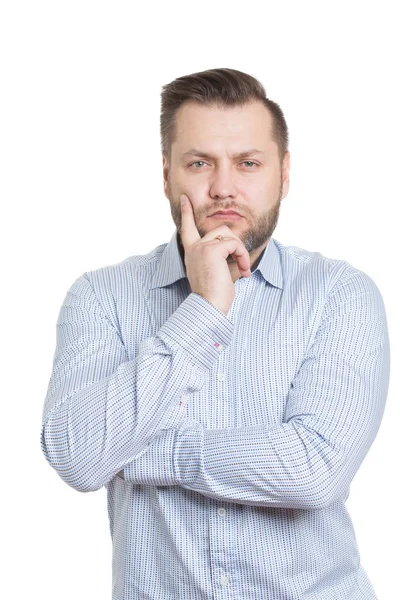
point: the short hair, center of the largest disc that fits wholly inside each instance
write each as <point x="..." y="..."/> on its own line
<point x="220" y="87"/>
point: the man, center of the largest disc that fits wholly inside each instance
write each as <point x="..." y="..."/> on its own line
<point x="225" y="388"/>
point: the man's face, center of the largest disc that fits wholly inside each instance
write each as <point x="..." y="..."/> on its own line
<point x="206" y="166"/>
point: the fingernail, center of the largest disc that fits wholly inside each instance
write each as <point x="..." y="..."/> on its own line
<point x="183" y="200"/>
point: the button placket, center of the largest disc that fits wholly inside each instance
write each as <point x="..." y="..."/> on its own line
<point x="224" y="580"/>
<point x="184" y="400"/>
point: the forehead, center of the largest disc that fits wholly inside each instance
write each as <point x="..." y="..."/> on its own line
<point x="248" y="125"/>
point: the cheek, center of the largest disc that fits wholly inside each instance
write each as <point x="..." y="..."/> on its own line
<point x="254" y="192"/>
<point x="197" y="188"/>
<point x="266" y="187"/>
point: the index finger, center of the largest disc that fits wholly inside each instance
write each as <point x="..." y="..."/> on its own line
<point x="189" y="232"/>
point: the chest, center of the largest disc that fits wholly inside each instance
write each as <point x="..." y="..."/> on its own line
<point x="250" y="382"/>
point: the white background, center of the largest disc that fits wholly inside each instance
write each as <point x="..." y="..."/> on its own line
<point x="81" y="187"/>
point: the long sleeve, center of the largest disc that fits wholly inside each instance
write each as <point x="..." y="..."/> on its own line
<point x="334" y="409"/>
<point x="102" y="410"/>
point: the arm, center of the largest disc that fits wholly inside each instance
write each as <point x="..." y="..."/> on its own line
<point x="333" y="413"/>
<point x="102" y="410"/>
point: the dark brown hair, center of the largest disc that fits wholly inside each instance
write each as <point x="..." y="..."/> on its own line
<point x="220" y="87"/>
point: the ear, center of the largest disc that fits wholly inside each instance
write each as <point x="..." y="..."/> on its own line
<point x="165" y="175"/>
<point x="285" y="174"/>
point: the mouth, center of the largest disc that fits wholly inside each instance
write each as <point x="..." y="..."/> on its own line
<point x="226" y="212"/>
<point x="227" y="215"/>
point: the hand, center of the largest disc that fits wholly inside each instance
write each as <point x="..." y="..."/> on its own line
<point x="206" y="259"/>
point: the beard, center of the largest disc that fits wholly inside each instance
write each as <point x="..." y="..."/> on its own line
<point x="257" y="235"/>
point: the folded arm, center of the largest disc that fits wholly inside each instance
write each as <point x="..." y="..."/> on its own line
<point x="102" y="410"/>
<point x="333" y="413"/>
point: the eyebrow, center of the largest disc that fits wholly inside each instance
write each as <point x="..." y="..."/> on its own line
<point x="244" y="154"/>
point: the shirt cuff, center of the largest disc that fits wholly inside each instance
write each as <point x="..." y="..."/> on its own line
<point x="188" y="454"/>
<point x="199" y="329"/>
<point x="154" y="466"/>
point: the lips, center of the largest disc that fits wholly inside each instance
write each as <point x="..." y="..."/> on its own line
<point x="226" y="212"/>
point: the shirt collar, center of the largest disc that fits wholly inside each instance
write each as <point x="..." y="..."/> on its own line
<point x="170" y="267"/>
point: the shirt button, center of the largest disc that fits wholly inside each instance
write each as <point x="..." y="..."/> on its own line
<point x="184" y="400"/>
<point x="221" y="376"/>
<point x="219" y="347"/>
<point x="224" y="580"/>
<point x="221" y="512"/>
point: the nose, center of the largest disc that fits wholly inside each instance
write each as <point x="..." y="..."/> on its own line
<point x="222" y="183"/>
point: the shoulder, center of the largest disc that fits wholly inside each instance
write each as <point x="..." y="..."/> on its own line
<point x="126" y="273"/>
<point x="107" y="285"/>
<point x="335" y="276"/>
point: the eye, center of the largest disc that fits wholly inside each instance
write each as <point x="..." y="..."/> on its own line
<point x="197" y="162"/>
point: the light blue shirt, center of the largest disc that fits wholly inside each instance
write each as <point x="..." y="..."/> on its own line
<point x="227" y="443"/>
